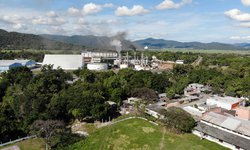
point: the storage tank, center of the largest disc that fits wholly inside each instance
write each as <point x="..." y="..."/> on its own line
<point x="97" y="66"/>
<point x="138" y="67"/>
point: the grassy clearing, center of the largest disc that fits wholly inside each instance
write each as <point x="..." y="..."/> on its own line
<point x="88" y="127"/>
<point x="31" y="144"/>
<point x="141" y="135"/>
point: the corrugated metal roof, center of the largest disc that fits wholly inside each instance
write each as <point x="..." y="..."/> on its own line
<point x="223" y="135"/>
<point x="231" y="123"/>
<point x="67" y="62"/>
<point x="228" y="122"/>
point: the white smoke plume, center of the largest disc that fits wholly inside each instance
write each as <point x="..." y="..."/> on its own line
<point x="117" y="44"/>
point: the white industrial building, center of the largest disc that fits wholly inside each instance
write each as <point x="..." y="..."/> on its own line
<point x="66" y="62"/>
<point x="97" y="57"/>
<point x="100" y="54"/>
<point x="179" y="62"/>
<point x="97" y="66"/>
<point x="224" y="102"/>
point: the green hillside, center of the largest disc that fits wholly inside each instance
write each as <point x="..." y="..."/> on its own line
<point x="142" y="135"/>
<point x="20" y="41"/>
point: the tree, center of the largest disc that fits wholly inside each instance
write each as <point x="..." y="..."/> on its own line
<point x="178" y="119"/>
<point x="3" y="86"/>
<point x="146" y="94"/>
<point x="47" y="129"/>
<point x="87" y="76"/>
<point x="170" y="93"/>
<point x="18" y="75"/>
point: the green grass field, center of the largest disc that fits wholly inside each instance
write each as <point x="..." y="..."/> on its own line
<point x="139" y="134"/>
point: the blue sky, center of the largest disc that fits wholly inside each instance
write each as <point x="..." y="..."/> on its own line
<point x="183" y="20"/>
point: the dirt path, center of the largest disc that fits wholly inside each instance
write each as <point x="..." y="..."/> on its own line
<point x="197" y="61"/>
<point x="11" y="148"/>
<point x="162" y="146"/>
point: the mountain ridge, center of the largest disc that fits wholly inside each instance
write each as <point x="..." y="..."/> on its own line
<point x="16" y="40"/>
<point x="162" y="43"/>
<point x="21" y="41"/>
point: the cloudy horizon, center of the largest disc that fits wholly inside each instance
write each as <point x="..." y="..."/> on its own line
<point x="225" y="21"/>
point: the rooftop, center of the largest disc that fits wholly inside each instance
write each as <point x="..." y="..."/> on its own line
<point x="227" y="99"/>
<point x="228" y="122"/>
<point x="68" y="62"/>
<point x="155" y="107"/>
<point x="196" y="85"/>
<point x="10" y="62"/>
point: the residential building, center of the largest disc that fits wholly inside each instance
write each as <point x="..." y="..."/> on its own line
<point x="195" y="89"/>
<point x="66" y="62"/>
<point x="242" y="113"/>
<point x="225" y="102"/>
<point x="155" y="110"/>
<point x="132" y="100"/>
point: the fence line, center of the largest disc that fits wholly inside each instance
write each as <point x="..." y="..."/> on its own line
<point x="17" y="140"/>
<point x="111" y="123"/>
<point x="102" y="125"/>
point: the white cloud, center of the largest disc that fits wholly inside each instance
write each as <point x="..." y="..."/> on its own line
<point x="246" y="2"/>
<point x="237" y="15"/>
<point x="73" y="11"/>
<point x="240" y="38"/>
<point x="51" y="14"/>
<point x="170" y="4"/>
<point x="54" y="21"/>
<point x="91" y="8"/>
<point x="11" y="19"/>
<point x="135" y="10"/>
<point x="81" y="21"/>
<point x="108" y="5"/>
<point x="88" y="9"/>
<point x="19" y="26"/>
<point x="247" y="24"/>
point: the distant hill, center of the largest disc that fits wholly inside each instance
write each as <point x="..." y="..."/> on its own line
<point x="19" y="41"/>
<point x="98" y="42"/>
<point x="243" y="45"/>
<point x="161" y="43"/>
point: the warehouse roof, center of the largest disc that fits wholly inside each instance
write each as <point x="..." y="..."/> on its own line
<point x="223" y="135"/>
<point x="67" y="62"/>
<point x="228" y="122"/>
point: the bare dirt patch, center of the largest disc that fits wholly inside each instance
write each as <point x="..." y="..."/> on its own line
<point x="148" y="129"/>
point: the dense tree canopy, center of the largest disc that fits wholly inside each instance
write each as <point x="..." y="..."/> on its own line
<point x="178" y="119"/>
<point x="25" y="97"/>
